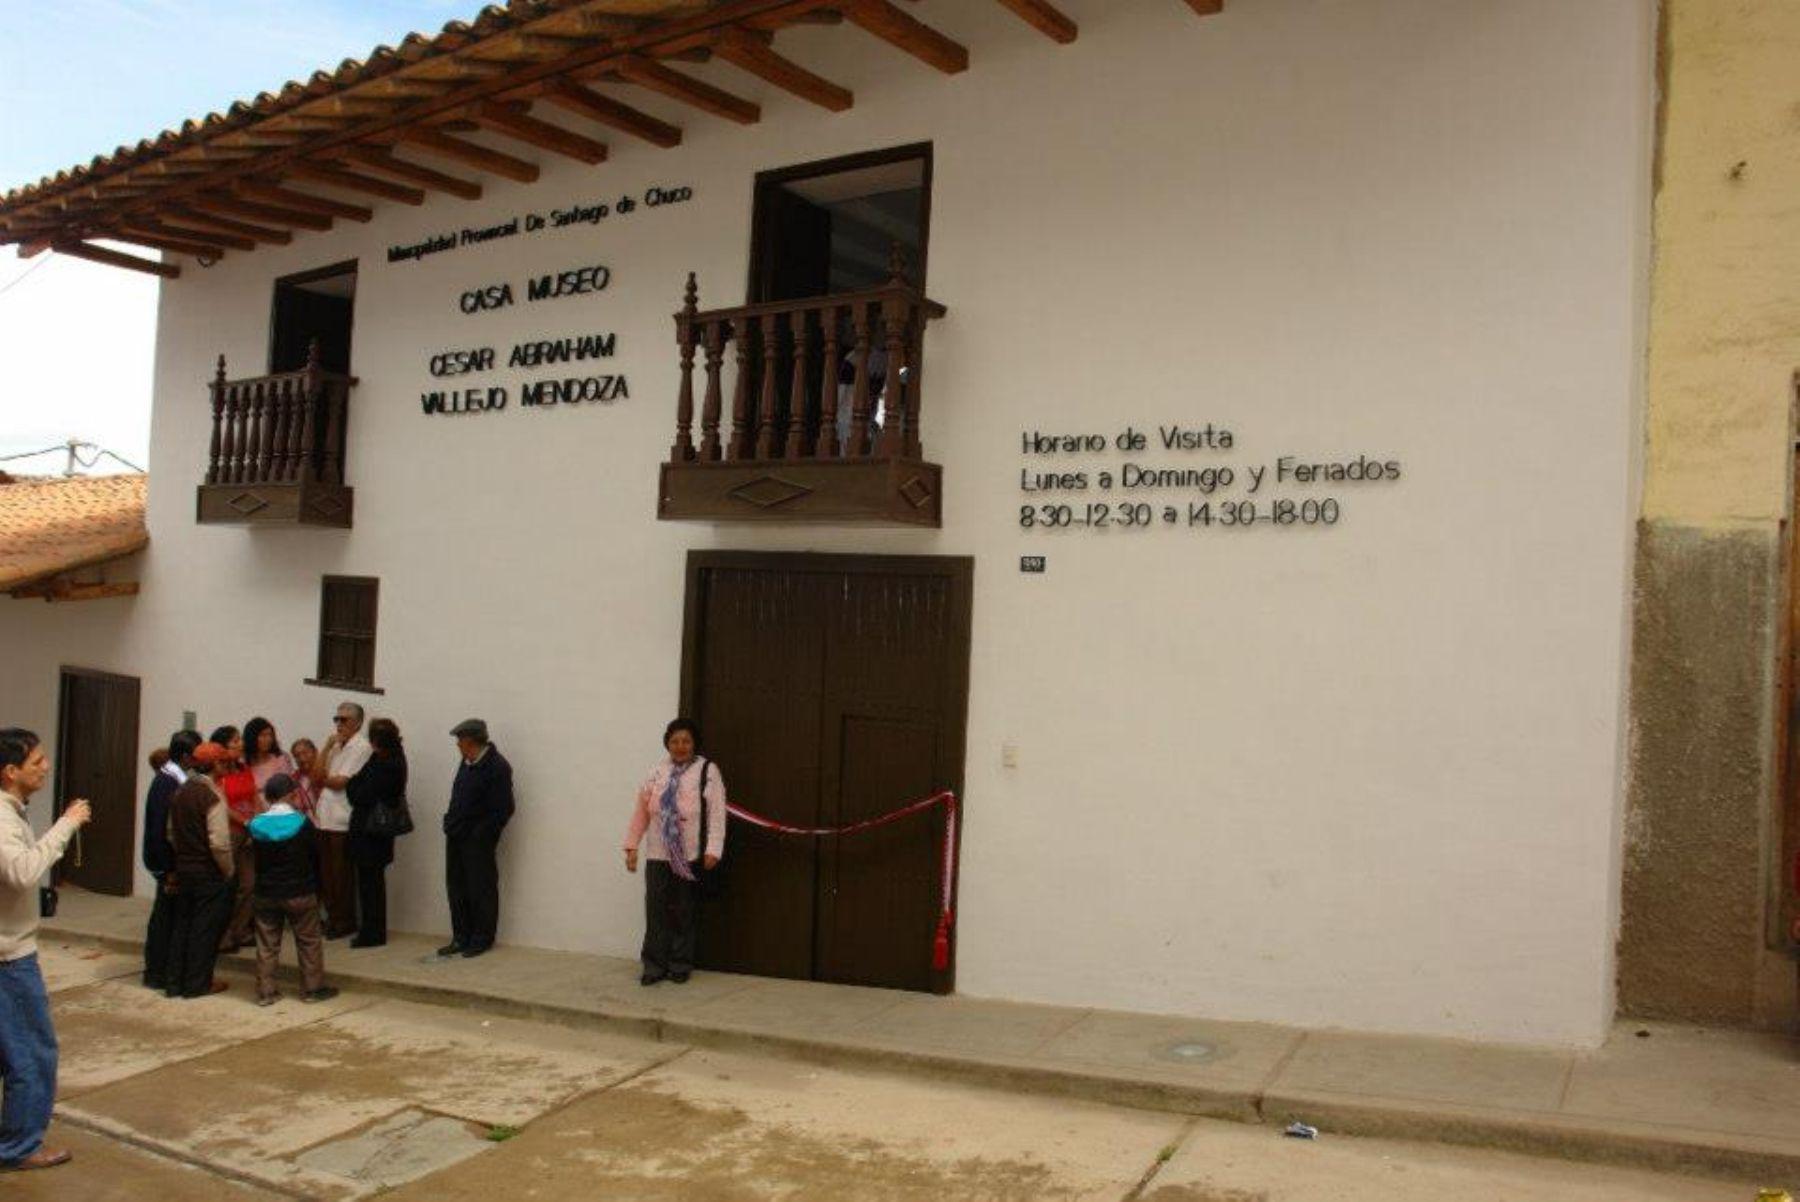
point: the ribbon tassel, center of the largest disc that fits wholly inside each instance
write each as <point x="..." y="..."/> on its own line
<point x="940" y="940"/>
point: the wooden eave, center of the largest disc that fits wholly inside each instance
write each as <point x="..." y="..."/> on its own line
<point x="251" y="171"/>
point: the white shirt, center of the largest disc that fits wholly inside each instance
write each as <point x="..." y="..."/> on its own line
<point x="333" y="811"/>
<point x="23" y="859"/>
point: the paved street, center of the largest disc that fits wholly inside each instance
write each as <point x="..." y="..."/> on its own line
<point x="218" y="1099"/>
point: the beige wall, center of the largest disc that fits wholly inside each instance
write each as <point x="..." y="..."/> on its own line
<point x="1703" y="863"/>
<point x="1726" y="300"/>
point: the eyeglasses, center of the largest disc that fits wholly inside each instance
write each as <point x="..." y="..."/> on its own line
<point x="336" y="718"/>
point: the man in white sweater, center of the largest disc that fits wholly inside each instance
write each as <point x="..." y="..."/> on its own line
<point x="27" y="1040"/>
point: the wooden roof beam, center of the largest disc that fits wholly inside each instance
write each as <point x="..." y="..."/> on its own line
<point x="587" y="103"/>
<point x="377" y="159"/>
<point x="908" y="33"/>
<point x="63" y="589"/>
<point x="462" y="151"/>
<point x="113" y="258"/>
<point x="224" y="225"/>
<point x="194" y="237"/>
<point x="648" y="73"/>
<point x="305" y="202"/>
<point x="238" y="206"/>
<point x="137" y="234"/>
<point x="1046" y="18"/>
<point x="515" y="124"/>
<point x="750" y="53"/>
<point x="350" y="181"/>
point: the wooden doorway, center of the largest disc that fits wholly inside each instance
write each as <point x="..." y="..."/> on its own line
<point x="96" y="758"/>
<point x="829" y="689"/>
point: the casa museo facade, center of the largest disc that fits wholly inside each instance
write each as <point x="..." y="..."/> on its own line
<point x="1208" y="442"/>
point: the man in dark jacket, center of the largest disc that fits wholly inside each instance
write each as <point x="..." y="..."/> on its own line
<point x="481" y="803"/>
<point x="159" y="855"/>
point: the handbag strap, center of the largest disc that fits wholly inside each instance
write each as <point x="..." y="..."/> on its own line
<point x="705" y="767"/>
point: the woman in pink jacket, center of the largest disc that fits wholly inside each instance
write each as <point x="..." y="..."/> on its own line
<point x="667" y="816"/>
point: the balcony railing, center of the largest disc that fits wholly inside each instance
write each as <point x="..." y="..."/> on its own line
<point x="277" y="452"/>
<point x="823" y="423"/>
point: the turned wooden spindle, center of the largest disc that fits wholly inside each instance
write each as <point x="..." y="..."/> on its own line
<point x="281" y="412"/>
<point x="240" y="431"/>
<point x="769" y="393"/>
<point x="796" y="418"/>
<point x="253" y="449"/>
<point x="683" y="448"/>
<point x="740" y="391"/>
<point x="859" y="394"/>
<point x="893" y="422"/>
<point x="826" y="446"/>
<point x="218" y="418"/>
<point x="710" y="407"/>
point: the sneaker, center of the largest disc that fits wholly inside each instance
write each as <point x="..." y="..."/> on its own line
<point x="268" y="999"/>
<point x="650" y="978"/>
<point x="469" y="953"/>
<point x="322" y="994"/>
<point x="450" y="949"/>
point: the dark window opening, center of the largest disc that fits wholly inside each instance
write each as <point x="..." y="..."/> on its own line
<point x="315" y="304"/>
<point x="830" y="227"/>
<point x="833" y="228"/>
<point x="347" y="633"/>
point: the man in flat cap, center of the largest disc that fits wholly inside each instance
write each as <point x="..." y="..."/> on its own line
<point x="481" y="803"/>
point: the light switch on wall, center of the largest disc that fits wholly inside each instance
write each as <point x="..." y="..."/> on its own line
<point x="1009" y="755"/>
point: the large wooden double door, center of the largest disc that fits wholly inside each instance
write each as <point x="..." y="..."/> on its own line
<point x="829" y="689"/>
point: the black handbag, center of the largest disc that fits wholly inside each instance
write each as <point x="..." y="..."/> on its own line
<point x="390" y="819"/>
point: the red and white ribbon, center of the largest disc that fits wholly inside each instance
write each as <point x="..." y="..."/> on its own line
<point x="940" y="944"/>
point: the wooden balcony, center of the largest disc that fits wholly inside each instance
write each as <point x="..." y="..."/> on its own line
<point x="824" y="412"/>
<point x="277" y="455"/>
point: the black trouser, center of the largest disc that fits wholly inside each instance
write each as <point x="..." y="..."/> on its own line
<point x="668" y="920"/>
<point x="159" y="936"/>
<point x="202" y="908"/>
<point x="472" y="878"/>
<point x="371" y="902"/>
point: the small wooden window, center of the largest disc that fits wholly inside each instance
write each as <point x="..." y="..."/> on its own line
<point x="347" y="633"/>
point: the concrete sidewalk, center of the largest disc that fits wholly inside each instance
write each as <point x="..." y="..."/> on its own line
<point x="1658" y="1095"/>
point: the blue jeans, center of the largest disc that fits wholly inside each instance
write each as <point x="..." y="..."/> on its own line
<point x="27" y="1059"/>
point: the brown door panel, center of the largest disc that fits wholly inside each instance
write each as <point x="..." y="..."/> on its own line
<point x="97" y="760"/>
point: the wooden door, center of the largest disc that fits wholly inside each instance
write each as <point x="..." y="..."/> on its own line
<point x="96" y="758"/>
<point x="829" y="689"/>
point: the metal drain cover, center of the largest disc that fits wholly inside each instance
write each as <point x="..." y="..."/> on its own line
<point x="1189" y="1051"/>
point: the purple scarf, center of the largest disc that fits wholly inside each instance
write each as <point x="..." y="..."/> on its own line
<point x="671" y="823"/>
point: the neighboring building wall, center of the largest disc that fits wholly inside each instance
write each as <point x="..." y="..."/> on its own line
<point x="38" y="639"/>
<point x="1365" y="777"/>
<point x="1704" y="821"/>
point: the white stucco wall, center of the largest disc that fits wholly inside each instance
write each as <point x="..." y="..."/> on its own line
<point x="1363" y="777"/>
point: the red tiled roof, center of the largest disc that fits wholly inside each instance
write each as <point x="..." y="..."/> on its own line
<point x="50" y="525"/>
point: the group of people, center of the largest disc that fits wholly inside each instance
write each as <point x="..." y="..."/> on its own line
<point x="247" y="841"/>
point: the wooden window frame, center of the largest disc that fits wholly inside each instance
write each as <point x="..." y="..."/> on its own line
<point x="346" y="267"/>
<point x="356" y="686"/>
<point x="768" y="180"/>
